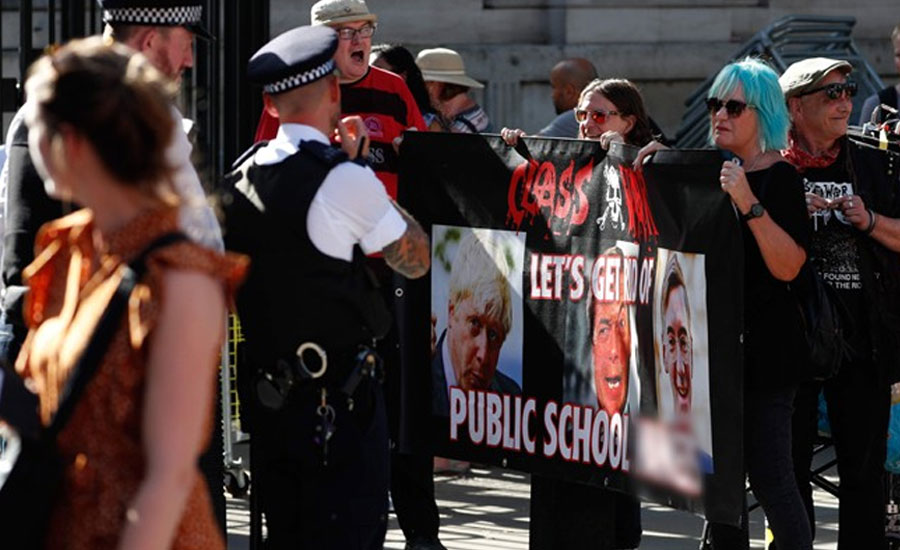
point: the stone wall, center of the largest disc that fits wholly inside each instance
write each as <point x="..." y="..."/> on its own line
<point x="666" y="46"/>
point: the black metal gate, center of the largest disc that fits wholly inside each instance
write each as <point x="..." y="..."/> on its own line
<point x="215" y="93"/>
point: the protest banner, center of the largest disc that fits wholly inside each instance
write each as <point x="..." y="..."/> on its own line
<point x="582" y="319"/>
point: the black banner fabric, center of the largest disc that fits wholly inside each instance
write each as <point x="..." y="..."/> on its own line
<point x="581" y="319"/>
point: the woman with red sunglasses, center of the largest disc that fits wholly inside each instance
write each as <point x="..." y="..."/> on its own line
<point x="608" y="110"/>
<point x="566" y="514"/>
<point x="749" y="119"/>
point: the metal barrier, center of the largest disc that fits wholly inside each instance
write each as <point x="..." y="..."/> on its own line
<point x="782" y="43"/>
<point x="237" y="476"/>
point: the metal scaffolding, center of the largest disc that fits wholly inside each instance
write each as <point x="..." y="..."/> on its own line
<point x="782" y="43"/>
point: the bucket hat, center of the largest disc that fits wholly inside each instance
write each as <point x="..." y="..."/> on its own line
<point x="445" y="65"/>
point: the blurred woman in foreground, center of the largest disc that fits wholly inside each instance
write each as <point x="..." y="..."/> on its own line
<point x="99" y="120"/>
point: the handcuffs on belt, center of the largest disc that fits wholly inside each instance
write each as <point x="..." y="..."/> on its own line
<point x="274" y="387"/>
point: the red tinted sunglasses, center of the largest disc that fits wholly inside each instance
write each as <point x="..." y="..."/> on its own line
<point x="598" y="116"/>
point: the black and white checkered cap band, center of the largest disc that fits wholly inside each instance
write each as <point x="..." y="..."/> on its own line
<point x="176" y="15"/>
<point x="300" y="79"/>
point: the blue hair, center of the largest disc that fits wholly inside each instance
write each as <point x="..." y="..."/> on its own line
<point x="761" y="90"/>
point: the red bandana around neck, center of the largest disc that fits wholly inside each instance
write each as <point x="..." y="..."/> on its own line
<point x="803" y="161"/>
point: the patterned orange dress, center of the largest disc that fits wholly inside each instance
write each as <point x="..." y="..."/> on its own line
<point x="71" y="282"/>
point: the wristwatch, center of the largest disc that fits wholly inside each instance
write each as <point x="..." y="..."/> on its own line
<point x="755" y="211"/>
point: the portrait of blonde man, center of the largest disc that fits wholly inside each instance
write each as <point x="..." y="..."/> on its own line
<point x="479" y="320"/>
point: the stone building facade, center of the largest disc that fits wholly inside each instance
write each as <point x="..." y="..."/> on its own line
<point x="666" y="46"/>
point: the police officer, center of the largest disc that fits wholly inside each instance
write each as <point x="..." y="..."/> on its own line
<point x="164" y="31"/>
<point x="307" y="213"/>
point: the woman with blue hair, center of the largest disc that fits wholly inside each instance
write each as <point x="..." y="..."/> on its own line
<point x="749" y="119"/>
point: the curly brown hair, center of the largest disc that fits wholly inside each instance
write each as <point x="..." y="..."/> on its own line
<point x="116" y="99"/>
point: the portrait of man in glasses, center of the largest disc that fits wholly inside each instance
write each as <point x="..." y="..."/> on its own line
<point x="610" y="324"/>
<point x="682" y="366"/>
<point x="675" y="337"/>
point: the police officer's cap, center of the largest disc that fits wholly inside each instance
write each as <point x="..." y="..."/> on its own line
<point x="161" y="13"/>
<point x="296" y="58"/>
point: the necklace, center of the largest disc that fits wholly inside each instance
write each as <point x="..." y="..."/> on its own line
<point x="753" y="164"/>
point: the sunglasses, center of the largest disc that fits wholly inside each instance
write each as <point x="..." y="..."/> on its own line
<point x="835" y="90"/>
<point x="733" y="107"/>
<point x="597" y="116"/>
<point x="347" y="33"/>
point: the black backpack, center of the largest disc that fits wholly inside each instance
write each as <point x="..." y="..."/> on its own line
<point x="824" y="324"/>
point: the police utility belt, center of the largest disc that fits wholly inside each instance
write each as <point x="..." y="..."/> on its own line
<point x="312" y="370"/>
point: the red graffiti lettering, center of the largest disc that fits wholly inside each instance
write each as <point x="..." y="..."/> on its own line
<point x="582" y="206"/>
<point x="640" y="219"/>
<point x="537" y="189"/>
<point x="564" y="199"/>
<point x="519" y="197"/>
<point x="544" y="189"/>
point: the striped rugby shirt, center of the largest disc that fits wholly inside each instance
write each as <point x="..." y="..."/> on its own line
<point x="386" y="106"/>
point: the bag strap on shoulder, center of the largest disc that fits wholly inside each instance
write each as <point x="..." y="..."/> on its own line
<point x="96" y="347"/>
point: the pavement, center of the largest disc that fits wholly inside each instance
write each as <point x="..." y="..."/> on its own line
<point x="488" y="508"/>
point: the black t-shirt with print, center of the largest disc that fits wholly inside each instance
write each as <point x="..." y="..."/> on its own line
<point x="773" y="337"/>
<point x="834" y="250"/>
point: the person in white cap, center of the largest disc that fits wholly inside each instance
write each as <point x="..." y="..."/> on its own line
<point x="853" y="206"/>
<point x="448" y="88"/>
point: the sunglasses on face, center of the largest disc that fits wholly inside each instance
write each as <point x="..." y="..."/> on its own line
<point x="835" y="90"/>
<point x="598" y="116"/>
<point x="733" y="107"/>
<point x="348" y="33"/>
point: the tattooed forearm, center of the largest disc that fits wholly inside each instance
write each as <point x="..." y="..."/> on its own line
<point x="410" y="255"/>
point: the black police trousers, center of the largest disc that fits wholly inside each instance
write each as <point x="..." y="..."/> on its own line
<point x="308" y="504"/>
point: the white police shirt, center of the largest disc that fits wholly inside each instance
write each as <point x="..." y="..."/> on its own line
<point x="350" y="207"/>
<point x="195" y="216"/>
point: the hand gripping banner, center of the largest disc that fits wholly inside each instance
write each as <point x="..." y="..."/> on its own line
<point x="581" y="319"/>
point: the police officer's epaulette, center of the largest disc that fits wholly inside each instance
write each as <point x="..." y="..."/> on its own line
<point x="248" y="153"/>
<point x="231" y="182"/>
<point x="330" y="155"/>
